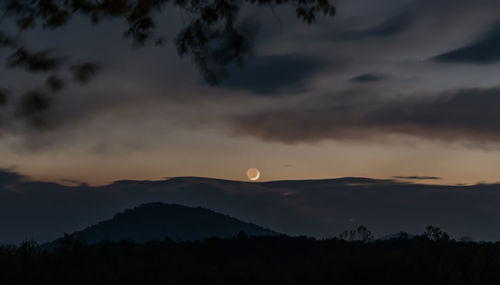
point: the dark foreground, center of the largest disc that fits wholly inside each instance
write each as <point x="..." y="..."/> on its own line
<point x="254" y="260"/>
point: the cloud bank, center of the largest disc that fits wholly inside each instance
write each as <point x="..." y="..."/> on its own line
<point x="320" y="208"/>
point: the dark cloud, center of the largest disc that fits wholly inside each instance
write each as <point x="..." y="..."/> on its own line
<point x="417" y="177"/>
<point x="466" y="114"/>
<point x="3" y="97"/>
<point x="394" y="25"/>
<point x="135" y="77"/>
<point x="321" y="208"/>
<point x="483" y="51"/>
<point x="269" y="75"/>
<point x="8" y="177"/>
<point x="368" y="77"/>
<point x="71" y="181"/>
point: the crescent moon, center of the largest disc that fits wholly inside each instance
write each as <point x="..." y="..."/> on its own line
<point x="256" y="177"/>
<point x="253" y="174"/>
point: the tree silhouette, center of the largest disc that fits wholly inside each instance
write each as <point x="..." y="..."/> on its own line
<point x="360" y="234"/>
<point x="211" y="38"/>
<point x="364" y="234"/>
<point x="435" y="234"/>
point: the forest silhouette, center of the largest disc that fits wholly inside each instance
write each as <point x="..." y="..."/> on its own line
<point x="430" y="258"/>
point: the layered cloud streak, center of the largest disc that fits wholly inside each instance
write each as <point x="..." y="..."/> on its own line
<point x="465" y="114"/>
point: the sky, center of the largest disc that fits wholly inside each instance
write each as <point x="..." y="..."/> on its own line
<point x="383" y="89"/>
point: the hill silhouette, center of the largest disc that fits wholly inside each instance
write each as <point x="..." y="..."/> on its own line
<point x="318" y="208"/>
<point x="155" y="221"/>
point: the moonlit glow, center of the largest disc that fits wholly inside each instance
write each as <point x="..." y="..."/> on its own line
<point x="253" y="174"/>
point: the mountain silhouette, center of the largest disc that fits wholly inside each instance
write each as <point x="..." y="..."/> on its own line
<point x="322" y="208"/>
<point x="156" y="221"/>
